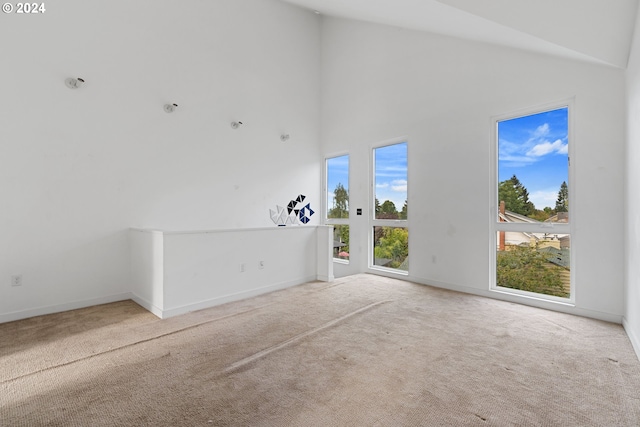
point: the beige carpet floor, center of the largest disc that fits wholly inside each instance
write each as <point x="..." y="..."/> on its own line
<point x="361" y="351"/>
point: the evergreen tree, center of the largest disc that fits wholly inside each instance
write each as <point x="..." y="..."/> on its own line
<point x="562" y="204"/>
<point x="515" y="197"/>
<point x="340" y="203"/>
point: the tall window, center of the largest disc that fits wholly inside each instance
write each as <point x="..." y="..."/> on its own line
<point x="531" y="220"/>
<point x="337" y="207"/>
<point x="390" y="248"/>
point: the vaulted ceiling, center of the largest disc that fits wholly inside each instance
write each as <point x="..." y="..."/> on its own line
<point x="592" y="30"/>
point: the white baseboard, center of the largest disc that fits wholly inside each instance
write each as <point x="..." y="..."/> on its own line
<point x="147" y="305"/>
<point x="520" y="299"/>
<point x="164" y="314"/>
<point x="41" y="311"/>
<point x="635" y="342"/>
<point x="324" y="278"/>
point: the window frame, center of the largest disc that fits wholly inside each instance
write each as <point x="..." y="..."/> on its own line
<point x="373" y="222"/>
<point x="552" y="228"/>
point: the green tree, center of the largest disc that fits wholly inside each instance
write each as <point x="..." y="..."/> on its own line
<point x="562" y="204"/>
<point x="340" y="203"/>
<point x="541" y="215"/>
<point x="515" y="197"/>
<point x="527" y="269"/>
<point x="388" y="210"/>
<point x="377" y="207"/>
<point x="403" y="212"/>
<point x="393" y="244"/>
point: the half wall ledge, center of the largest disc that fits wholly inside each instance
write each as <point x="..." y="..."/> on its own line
<point x="175" y="272"/>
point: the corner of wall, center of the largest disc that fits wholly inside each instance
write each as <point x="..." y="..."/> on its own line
<point x="324" y="262"/>
<point x="635" y="341"/>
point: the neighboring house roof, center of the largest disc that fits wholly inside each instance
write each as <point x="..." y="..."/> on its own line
<point x="382" y="262"/>
<point x="559" y="257"/>
<point x="513" y="217"/>
<point x="509" y="216"/>
<point x="559" y="217"/>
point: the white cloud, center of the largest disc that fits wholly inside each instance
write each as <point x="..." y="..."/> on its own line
<point x="544" y="198"/>
<point x="513" y="155"/>
<point x="382" y="185"/>
<point x="547" y="147"/>
<point x="541" y="131"/>
<point x="399" y="185"/>
<point x="516" y="161"/>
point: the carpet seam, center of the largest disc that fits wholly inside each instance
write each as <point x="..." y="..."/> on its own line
<point x="283" y="344"/>
<point x="9" y="380"/>
<point x="111" y="350"/>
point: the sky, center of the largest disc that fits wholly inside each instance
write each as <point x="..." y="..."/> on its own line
<point x="337" y="173"/>
<point x="535" y="149"/>
<point x="391" y="174"/>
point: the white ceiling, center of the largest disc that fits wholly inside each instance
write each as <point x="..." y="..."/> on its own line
<point x="592" y="30"/>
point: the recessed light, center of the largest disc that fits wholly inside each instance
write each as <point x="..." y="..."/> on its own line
<point x="74" y="83"/>
<point x="170" y="108"/>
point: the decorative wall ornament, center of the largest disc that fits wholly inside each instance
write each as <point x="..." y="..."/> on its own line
<point x="292" y="214"/>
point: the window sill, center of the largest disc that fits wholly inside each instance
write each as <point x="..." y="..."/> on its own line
<point x="389" y="270"/>
<point x="533" y="296"/>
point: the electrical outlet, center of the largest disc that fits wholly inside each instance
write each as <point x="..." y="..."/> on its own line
<point x="16" y="280"/>
<point x="261" y="265"/>
<point x="242" y="268"/>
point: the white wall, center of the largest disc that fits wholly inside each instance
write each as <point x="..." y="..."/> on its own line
<point x="147" y="269"/>
<point x="632" y="196"/>
<point x="203" y="269"/>
<point x="79" y="167"/>
<point x="380" y="83"/>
